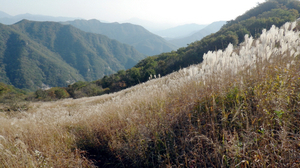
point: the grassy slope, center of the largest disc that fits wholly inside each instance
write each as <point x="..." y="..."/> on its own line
<point x="191" y="118"/>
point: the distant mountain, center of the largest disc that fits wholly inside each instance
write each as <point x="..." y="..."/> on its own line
<point x="149" y="25"/>
<point x="8" y="20"/>
<point x="3" y="15"/>
<point x="137" y="36"/>
<point x="37" y="54"/>
<point x="180" y="31"/>
<point x="211" y="28"/>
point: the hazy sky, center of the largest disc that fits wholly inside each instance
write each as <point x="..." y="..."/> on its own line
<point x="171" y="11"/>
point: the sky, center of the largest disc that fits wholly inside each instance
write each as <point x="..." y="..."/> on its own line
<point x="175" y="12"/>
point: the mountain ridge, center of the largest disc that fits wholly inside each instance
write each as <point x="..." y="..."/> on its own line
<point x="9" y="20"/>
<point x="75" y="54"/>
<point x="143" y="40"/>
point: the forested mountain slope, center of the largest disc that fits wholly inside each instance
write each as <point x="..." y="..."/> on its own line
<point x="137" y="36"/>
<point x="263" y="16"/>
<point x="35" y="54"/>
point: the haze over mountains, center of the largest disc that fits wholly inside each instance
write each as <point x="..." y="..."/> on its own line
<point x="180" y="31"/>
<point x="8" y="19"/>
<point x="198" y="35"/>
<point x="149" y="25"/>
<point x="4" y="15"/>
<point x="143" y="40"/>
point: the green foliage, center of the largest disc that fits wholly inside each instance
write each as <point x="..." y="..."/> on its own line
<point x="88" y="90"/>
<point x="4" y="89"/>
<point x="12" y="99"/>
<point x="61" y="93"/>
<point x="134" y="76"/>
<point x="85" y="89"/>
<point x="51" y="94"/>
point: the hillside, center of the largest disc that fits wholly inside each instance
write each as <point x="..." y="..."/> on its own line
<point x="37" y="54"/>
<point x="252" y="22"/>
<point x="238" y="108"/>
<point x="198" y="35"/>
<point x="137" y="36"/>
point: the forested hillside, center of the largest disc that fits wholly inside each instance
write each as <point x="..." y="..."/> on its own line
<point x="263" y="16"/>
<point x="137" y="36"/>
<point x="39" y="54"/>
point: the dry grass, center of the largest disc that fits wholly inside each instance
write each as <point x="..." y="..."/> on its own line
<point x="246" y="116"/>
